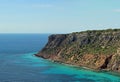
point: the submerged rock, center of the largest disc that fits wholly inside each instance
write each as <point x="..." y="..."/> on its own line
<point x="93" y="49"/>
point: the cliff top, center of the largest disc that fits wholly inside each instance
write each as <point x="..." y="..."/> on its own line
<point x="91" y="41"/>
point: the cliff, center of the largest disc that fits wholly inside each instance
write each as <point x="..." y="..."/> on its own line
<point x="93" y="49"/>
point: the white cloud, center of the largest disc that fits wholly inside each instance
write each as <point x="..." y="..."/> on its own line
<point x="28" y="5"/>
<point x="42" y="5"/>
<point x="117" y="10"/>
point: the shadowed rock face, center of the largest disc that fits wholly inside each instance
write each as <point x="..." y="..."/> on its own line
<point x="92" y="49"/>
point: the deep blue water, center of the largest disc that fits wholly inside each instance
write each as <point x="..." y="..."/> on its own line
<point x="18" y="64"/>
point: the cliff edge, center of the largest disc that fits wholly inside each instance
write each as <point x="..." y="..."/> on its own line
<point x="97" y="49"/>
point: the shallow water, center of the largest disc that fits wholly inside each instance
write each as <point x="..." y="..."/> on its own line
<point x="23" y="66"/>
<point x="27" y="67"/>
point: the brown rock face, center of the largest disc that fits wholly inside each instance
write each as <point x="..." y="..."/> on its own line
<point x="92" y="49"/>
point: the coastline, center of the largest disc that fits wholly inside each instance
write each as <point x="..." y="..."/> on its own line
<point x="82" y="67"/>
<point x="96" y="49"/>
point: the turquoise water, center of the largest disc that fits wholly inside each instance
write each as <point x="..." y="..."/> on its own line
<point x="72" y="73"/>
<point x="23" y="66"/>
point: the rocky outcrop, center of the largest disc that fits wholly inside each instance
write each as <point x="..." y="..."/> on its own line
<point x="93" y="49"/>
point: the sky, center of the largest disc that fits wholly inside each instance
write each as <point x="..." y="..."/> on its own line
<point x="58" y="16"/>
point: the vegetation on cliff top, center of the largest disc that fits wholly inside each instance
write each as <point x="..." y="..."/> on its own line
<point x="89" y="42"/>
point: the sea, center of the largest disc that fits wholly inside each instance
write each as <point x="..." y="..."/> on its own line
<point x="18" y="63"/>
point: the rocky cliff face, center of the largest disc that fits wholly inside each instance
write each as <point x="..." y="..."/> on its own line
<point x="92" y="49"/>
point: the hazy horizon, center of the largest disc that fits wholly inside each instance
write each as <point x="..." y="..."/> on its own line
<point x="58" y="16"/>
<point x="57" y="32"/>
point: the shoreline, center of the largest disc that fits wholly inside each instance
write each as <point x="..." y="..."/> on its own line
<point x="82" y="67"/>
